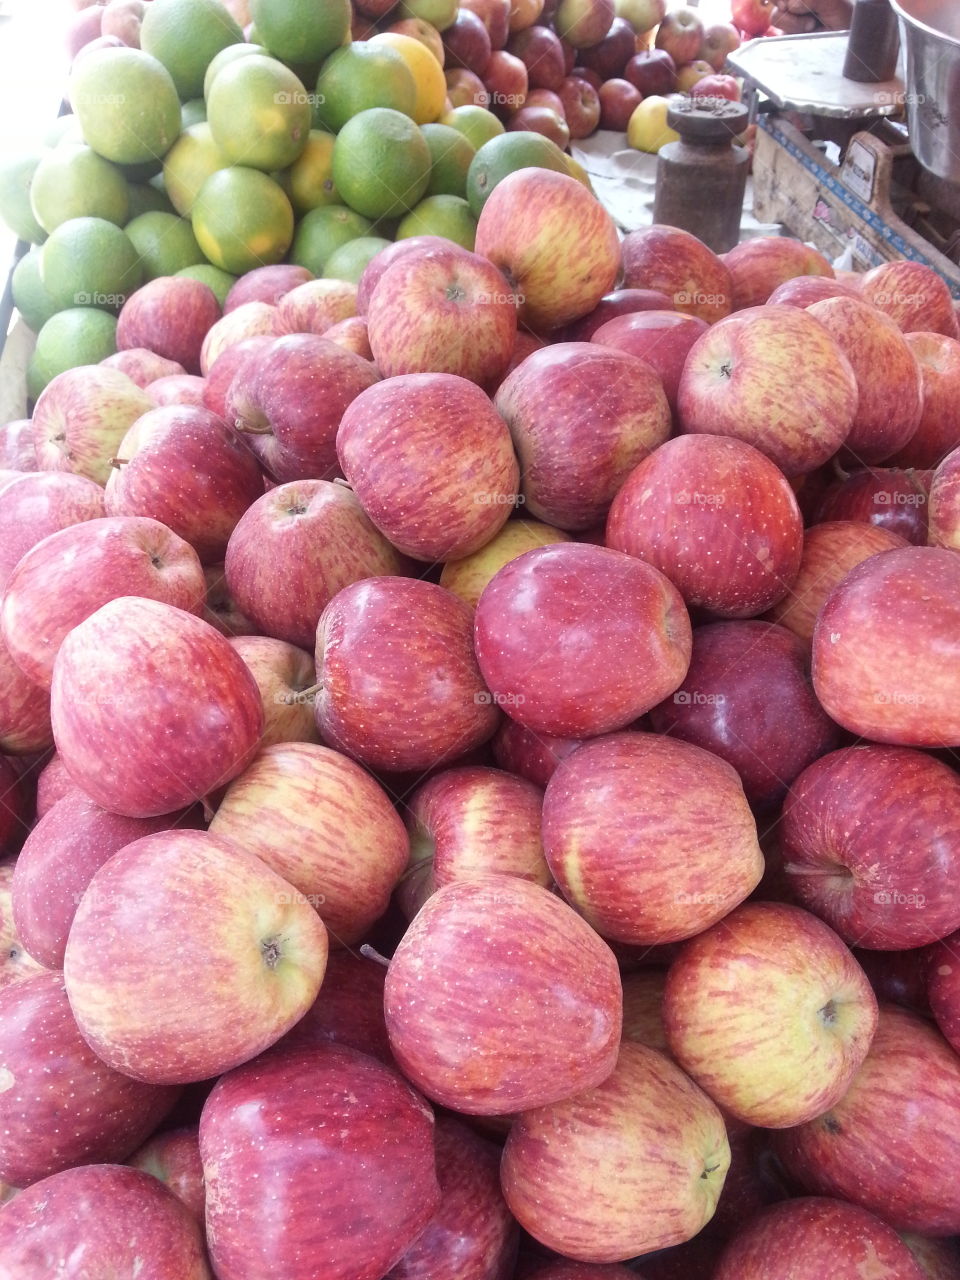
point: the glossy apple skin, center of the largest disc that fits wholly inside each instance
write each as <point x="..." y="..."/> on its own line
<point x="387" y="256"/>
<point x="887" y="415"/>
<point x="320" y="821"/>
<point x="467" y="578"/>
<point x="620" y="302"/>
<point x="769" y="1012"/>
<point x="904" y="1172"/>
<point x="610" y="55"/>
<point x="63" y="1106"/>
<point x="540" y="117"/>
<point x="99" y="1220"/>
<point x="266" y="284"/>
<point x="316" y="306"/>
<point x="887" y="645"/>
<point x="534" y="219"/>
<point x="530" y="755"/>
<point x="151" y="708"/>
<point x="183" y="388"/>
<point x="72" y="573"/>
<point x="373" y="641"/>
<point x="884" y="496"/>
<point x="471" y="820"/>
<point x="142" y="365"/>
<point x="573" y="463"/>
<point x="830" y="551"/>
<point x="431" y="463"/>
<point x="255" y="965"/>
<point x="725" y="527"/>
<point x="747" y="698"/>
<point x="183" y="466"/>
<point x="17" y="452"/>
<point x="36" y="505"/>
<point x="632" y="1165"/>
<point x="681" y="34"/>
<point x="912" y="295"/>
<point x="678" y="264"/>
<point x="347" y="1011"/>
<point x="221" y="372"/>
<point x="173" y="1158"/>
<point x="473" y="1235"/>
<point x="171" y="316"/>
<point x="250" y="320"/>
<point x="881" y="876"/>
<point x="623" y="861"/>
<point x="500" y="998"/>
<point x="24" y="710"/>
<point x="287" y="400"/>
<point x="618" y="101"/>
<point x="62" y="853"/>
<point x="939" y="430"/>
<point x="814" y="1236"/>
<point x="294" y="549"/>
<point x="794" y="398"/>
<point x="759" y="265"/>
<point x="662" y="339"/>
<point x="80" y="418"/>
<point x="617" y="627"/>
<point x="540" y="50"/>
<point x="330" y="1153"/>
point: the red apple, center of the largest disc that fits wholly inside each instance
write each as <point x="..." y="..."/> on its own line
<point x="285" y="675"/>
<point x="506" y="79"/>
<point x="583" y="23"/>
<point x="681" y="35"/>
<point x="80" y="418"/>
<point x="38" y="504"/>
<point x="466" y="89"/>
<point x="106" y="1219"/>
<point x="540" y="51"/>
<point x="348" y="1010"/>
<point x="652" y="71"/>
<point x="747" y="698"/>
<point x="618" y="101"/>
<point x="316" y="306"/>
<point x="609" y="56"/>
<point x="17" y="452"/>
<point x="495" y="15"/>
<point x="801" y="291"/>
<point x="255" y="963"/>
<point x="183" y="388"/>
<point x="151" y="708"/>
<point x="221" y="373"/>
<point x="173" y="1158"/>
<point x="681" y="266"/>
<point x="69" y="844"/>
<point x="830" y="551"/>
<point x="662" y="339"/>
<point x="629" y="1166"/>
<point x="72" y="573"/>
<point x="294" y="549"/>
<point x="886" y="647"/>
<point x="572" y="466"/>
<point x="539" y="119"/>
<point x="473" y="1234"/>
<point x="715" y="86"/>
<point x="944" y="506"/>
<point x="534" y="756"/>
<point x="624" y="620"/>
<point x="881" y="877"/>
<point x="535" y="218"/>
<point x="887" y="416"/>
<point x="913" y="295"/>
<point x="581" y="106"/>
<point x="24" y="710"/>
<point x="886" y="497"/>
<point x="773" y="377"/>
<point x="769" y="1012"/>
<point x="811" y="1237"/>
<point x="171" y="316"/>
<point x="352" y="335"/>
<point x="624" y="863"/>
<point x="325" y="1146"/>
<point x="387" y="256"/>
<point x="266" y="284"/>
<point x="759" y="265"/>
<point x="430" y="461"/>
<point x="287" y="402"/>
<point x="939" y="430"/>
<point x="466" y="43"/>
<point x="500" y="998"/>
<point x="62" y="1106"/>
<point x="442" y="312"/>
<point x="373" y="640"/>
<point x="221" y="610"/>
<point x="184" y="467"/>
<point x="468" y="821"/>
<point x="249" y="320"/>
<point x="902" y="1171"/>
<point x="621" y="302"/>
<point x="142" y="366"/>
<point x="725" y="527"/>
<point x="720" y="39"/>
<point x="324" y="825"/>
<point x="753" y="17"/>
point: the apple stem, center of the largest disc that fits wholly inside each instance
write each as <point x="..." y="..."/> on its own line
<point x="303" y="695"/>
<point x="839" y="471"/>
<point x="208" y="809"/>
<point x="249" y="429"/>
<point x="370" y="953"/>
<point x="119" y="462"/>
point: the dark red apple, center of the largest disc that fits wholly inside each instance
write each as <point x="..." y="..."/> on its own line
<point x="466" y="43"/>
<point x="652" y="71"/>
<point x="887" y="497"/>
<point x="506" y="79"/>
<point x="541" y="52"/>
<point x="171" y="316"/>
<point x="581" y="106"/>
<point x="618" y="101"/>
<point x="530" y="755"/>
<point x="609" y="57"/>
<point x="348" y="1011"/>
<point x="173" y="1157"/>
<point x="681" y="266"/>
<point x="662" y="339"/>
<point x="621" y="302"/>
<point x="898" y="977"/>
<point x="496" y="18"/>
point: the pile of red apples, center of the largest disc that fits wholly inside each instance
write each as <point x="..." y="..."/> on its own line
<point x="480" y="793"/>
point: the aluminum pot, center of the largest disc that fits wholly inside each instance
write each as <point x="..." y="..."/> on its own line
<point x="930" y="33"/>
